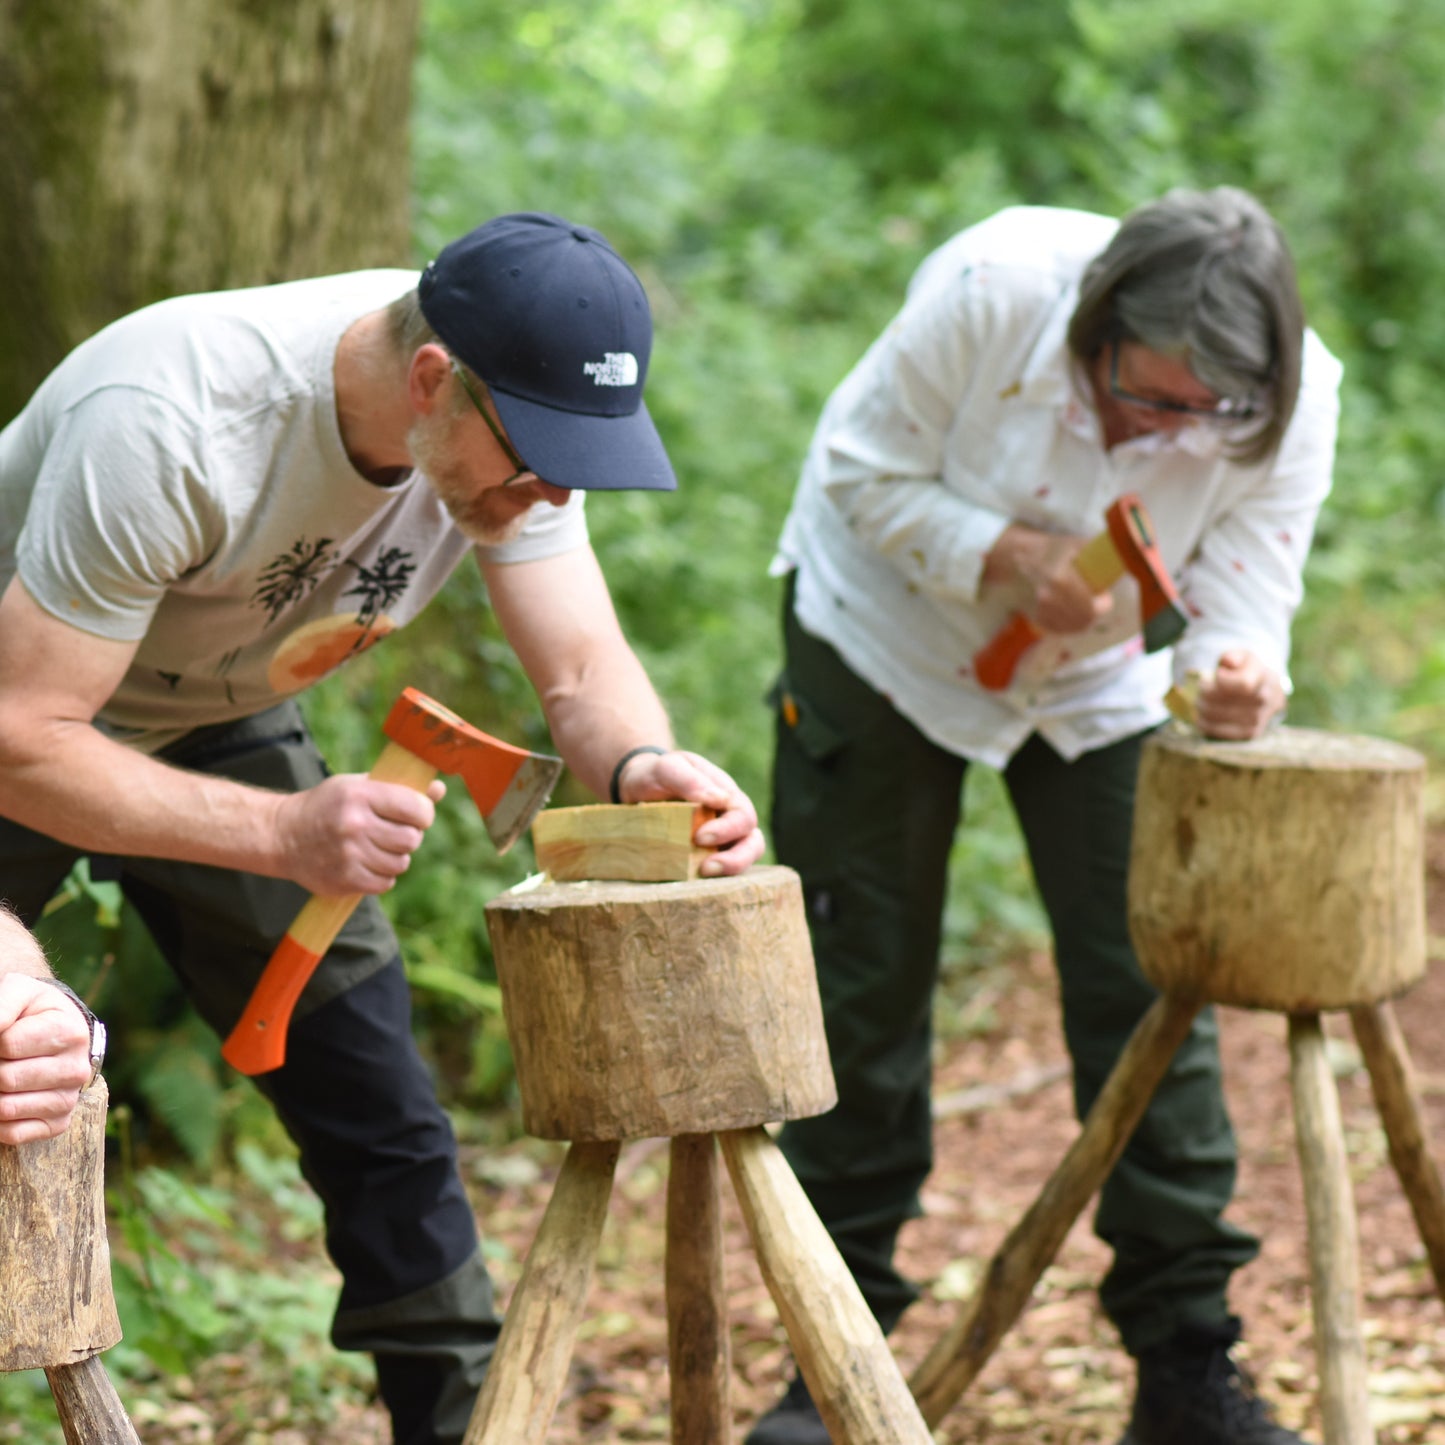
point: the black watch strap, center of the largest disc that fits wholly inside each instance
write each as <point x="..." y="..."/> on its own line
<point x="97" y="1029"/>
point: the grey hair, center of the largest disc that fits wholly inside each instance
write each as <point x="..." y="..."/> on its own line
<point x="407" y="327"/>
<point x="1205" y="276"/>
<point x="408" y="330"/>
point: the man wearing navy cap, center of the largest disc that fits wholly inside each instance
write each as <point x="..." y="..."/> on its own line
<point x="213" y="503"/>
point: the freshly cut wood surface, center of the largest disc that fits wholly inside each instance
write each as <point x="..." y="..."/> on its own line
<point x="636" y="842"/>
<point x="1284" y="873"/>
<point x="640" y="1010"/>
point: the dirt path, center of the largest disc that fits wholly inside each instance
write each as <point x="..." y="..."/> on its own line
<point x="1059" y="1377"/>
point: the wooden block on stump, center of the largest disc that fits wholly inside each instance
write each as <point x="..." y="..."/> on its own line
<point x="636" y="842"/>
<point x="644" y="1010"/>
<point x="1284" y="873"/>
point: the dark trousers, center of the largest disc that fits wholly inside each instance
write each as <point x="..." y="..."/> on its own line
<point x="865" y="808"/>
<point x="354" y="1093"/>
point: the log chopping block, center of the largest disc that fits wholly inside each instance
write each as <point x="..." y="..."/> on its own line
<point x="57" y="1312"/>
<point x="1287" y="874"/>
<point x="686" y="1010"/>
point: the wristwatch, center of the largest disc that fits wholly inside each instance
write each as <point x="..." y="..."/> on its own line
<point x="97" y="1029"/>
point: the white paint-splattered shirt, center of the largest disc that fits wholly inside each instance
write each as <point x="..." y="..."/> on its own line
<point x="968" y="414"/>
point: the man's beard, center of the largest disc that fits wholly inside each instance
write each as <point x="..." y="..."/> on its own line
<point x="485" y="518"/>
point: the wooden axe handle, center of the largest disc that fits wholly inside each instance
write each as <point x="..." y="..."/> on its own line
<point x="1097" y="562"/>
<point x="257" y="1044"/>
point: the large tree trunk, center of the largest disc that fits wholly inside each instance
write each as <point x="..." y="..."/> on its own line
<point x="154" y="147"/>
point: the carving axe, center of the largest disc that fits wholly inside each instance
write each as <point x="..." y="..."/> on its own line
<point x="1125" y="545"/>
<point x="509" y="786"/>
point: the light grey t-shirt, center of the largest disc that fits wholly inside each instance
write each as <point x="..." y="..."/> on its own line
<point x="180" y="480"/>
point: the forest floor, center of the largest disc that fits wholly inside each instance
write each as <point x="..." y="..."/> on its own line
<point x="1059" y="1377"/>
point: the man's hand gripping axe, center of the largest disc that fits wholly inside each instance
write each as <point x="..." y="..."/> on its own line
<point x="509" y="786"/>
<point x="1125" y="545"/>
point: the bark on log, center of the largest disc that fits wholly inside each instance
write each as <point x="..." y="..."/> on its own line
<point x="1285" y="873"/>
<point x="89" y="1408"/>
<point x="56" y="1305"/>
<point x="156" y="147"/>
<point x="643" y="1009"/>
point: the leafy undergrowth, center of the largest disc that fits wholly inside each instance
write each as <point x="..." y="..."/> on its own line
<point x="226" y="1297"/>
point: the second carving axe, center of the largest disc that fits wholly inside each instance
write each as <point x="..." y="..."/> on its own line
<point x="1125" y="545"/>
<point x="509" y="786"/>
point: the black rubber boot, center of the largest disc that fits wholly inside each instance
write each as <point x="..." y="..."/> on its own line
<point x="794" y="1420"/>
<point x="1191" y="1392"/>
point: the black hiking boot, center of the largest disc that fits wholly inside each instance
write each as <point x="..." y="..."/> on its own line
<point x="1191" y="1393"/>
<point x="794" y="1420"/>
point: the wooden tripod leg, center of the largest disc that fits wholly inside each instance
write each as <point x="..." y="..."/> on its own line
<point x="965" y="1347"/>
<point x="1333" y="1237"/>
<point x="698" y="1351"/>
<point x="529" y="1368"/>
<point x="1393" y="1080"/>
<point x="89" y="1408"/>
<point x="845" y="1360"/>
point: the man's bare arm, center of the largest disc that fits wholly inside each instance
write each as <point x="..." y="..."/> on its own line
<point x="558" y="616"/>
<point x="60" y="775"/>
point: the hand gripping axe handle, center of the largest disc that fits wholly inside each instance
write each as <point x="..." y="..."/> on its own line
<point x="509" y="786"/>
<point x="1125" y="545"/>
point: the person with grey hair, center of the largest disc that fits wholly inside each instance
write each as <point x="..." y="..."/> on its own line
<point x="1045" y="362"/>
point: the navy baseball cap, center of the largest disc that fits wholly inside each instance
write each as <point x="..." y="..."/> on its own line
<point x="558" y="326"/>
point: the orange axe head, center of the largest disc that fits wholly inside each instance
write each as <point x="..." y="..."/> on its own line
<point x="509" y="785"/>
<point x="1132" y="534"/>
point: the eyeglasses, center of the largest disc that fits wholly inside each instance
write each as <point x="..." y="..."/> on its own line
<point x="523" y="470"/>
<point x="1227" y="411"/>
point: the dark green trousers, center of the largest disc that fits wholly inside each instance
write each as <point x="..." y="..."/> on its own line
<point x="865" y="808"/>
<point x="355" y="1094"/>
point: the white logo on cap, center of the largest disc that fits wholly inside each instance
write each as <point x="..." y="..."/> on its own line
<point x="617" y="368"/>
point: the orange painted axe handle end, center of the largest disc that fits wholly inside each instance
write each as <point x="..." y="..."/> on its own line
<point x="257" y="1044"/>
<point x="995" y="662"/>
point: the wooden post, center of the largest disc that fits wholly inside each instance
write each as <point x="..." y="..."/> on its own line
<point x="1285" y="873"/>
<point x="698" y="1350"/>
<point x="1333" y="1238"/>
<point x="649" y="1010"/>
<point x="1396" y="1097"/>
<point x="529" y="1369"/>
<point x="853" y="1378"/>
<point x="690" y="1010"/>
<point x="57" y="1312"/>
<point x="963" y="1350"/>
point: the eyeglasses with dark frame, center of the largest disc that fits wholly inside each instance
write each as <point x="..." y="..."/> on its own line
<point x="523" y="470"/>
<point x="1227" y="411"/>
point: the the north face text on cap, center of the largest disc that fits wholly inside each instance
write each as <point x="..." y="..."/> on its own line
<point x="617" y="368"/>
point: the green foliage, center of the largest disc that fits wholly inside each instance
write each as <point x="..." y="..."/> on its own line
<point x="775" y="171"/>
